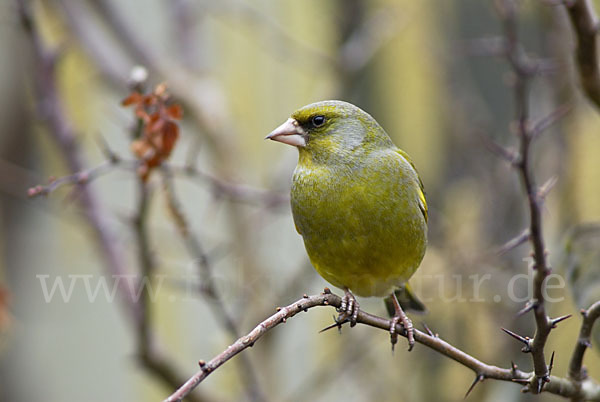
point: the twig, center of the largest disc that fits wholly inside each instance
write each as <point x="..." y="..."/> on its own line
<point x="585" y="26"/>
<point x="576" y="371"/>
<point x="557" y="385"/>
<point x="80" y="178"/>
<point x="234" y="192"/>
<point x="513" y="243"/>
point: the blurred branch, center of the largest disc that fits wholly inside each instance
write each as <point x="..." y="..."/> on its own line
<point x="218" y="187"/>
<point x="577" y="372"/>
<point x="231" y="191"/>
<point x="202" y="96"/>
<point x="51" y="109"/>
<point x="513" y="243"/>
<point x="557" y="385"/>
<point x="585" y="26"/>
<point x="183" y="18"/>
<point x="83" y="177"/>
<point x="293" y="51"/>
<point x="61" y="129"/>
<point x="149" y="357"/>
<point x="208" y="286"/>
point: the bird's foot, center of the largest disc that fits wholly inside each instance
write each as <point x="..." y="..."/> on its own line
<point x="401" y="317"/>
<point x="348" y="309"/>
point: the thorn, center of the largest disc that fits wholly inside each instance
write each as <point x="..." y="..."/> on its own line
<point x="509" y="155"/>
<point x="530" y="305"/>
<point x="525" y="339"/>
<point x="478" y="378"/>
<point x="513" y="367"/>
<point x="551" y="365"/>
<point x="284" y="319"/>
<point x="278" y="309"/>
<point x="326" y="291"/>
<point x="540" y="384"/>
<point x="201" y="363"/>
<point x="429" y="332"/>
<point x="559" y="319"/>
<point x="513" y="243"/>
<point x="305" y="296"/>
<point x="546" y="187"/>
<point x="337" y="324"/>
<point x="550" y="119"/>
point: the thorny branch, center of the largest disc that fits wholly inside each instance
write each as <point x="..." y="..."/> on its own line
<point x="524" y="70"/>
<point x="557" y="385"/>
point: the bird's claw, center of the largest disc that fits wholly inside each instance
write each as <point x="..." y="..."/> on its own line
<point x="410" y="332"/>
<point x="349" y="308"/>
<point x="401" y="317"/>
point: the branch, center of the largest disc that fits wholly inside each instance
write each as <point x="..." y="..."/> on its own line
<point x="149" y="357"/>
<point x="576" y="370"/>
<point x="208" y="287"/>
<point x="513" y="243"/>
<point x="232" y="191"/>
<point x="81" y="178"/>
<point x="557" y="385"/>
<point x="585" y="26"/>
<point x="524" y="70"/>
<point x="51" y="109"/>
<point x="61" y="129"/>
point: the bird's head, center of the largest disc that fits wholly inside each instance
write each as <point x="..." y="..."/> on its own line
<point x="331" y="130"/>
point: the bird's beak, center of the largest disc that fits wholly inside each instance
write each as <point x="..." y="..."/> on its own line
<point x="289" y="133"/>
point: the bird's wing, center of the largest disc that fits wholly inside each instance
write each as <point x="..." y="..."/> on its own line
<point x="422" y="200"/>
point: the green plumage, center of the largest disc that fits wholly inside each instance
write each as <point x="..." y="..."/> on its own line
<point x="357" y="201"/>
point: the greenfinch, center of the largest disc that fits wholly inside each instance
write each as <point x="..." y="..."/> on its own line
<point x="358" y="203"/>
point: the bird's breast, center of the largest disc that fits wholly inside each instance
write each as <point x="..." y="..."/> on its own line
<point x="359" y="222"/>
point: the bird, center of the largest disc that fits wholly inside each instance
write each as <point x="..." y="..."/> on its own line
<point x="359" y="205"/>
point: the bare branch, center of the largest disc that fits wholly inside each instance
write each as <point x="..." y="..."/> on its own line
<point x="556" y="385"/>
<point x="208" y="288"/>
<point x="513" y="243"/>
<point x="81" y="178"/>
<point x="61" y="130"/>
<point x="232" y="191"/>
<point x="585" y="26"/>
<point x="576" y="370"/>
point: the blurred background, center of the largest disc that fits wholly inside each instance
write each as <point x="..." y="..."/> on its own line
<point x="215" y="234"/>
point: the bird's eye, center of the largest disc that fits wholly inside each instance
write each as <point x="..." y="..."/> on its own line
<point x="318" y="120"/>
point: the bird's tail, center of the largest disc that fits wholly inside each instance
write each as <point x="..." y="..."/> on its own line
<point x="407" y="299"/>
